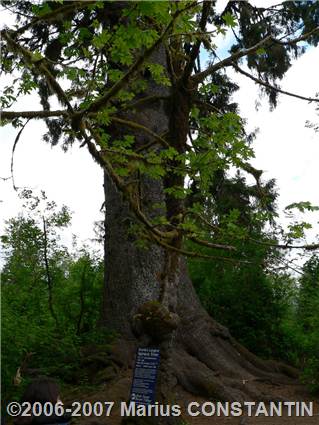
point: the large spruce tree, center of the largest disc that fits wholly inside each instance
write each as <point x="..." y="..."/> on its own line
<point x="134" y="88"/>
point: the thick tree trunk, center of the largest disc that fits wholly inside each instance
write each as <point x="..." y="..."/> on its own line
<point x="200" y="354"/>
<point x="133" y="274"/>
<point x="197" y="353"/>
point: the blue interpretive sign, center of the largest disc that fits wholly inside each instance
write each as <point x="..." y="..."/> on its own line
<point x="145" y="375"/>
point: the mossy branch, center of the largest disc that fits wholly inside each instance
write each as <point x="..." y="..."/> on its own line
<point x="212" y="245"/>
<point x="11" y="115"/>
<point x="124" y="188"/>
<point x="307" y="247"/>
<point x="39" y="66"/>
<point x="198" y="78"/>
<point x="58" y="13"/>
<point x="141" y="102"/>
<point x="193" y="254"/>
<point x="196" y="47"/>
<point x="141" y="127"/>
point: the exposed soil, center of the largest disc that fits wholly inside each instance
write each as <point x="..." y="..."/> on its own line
<point x="118" y="391"/>
<point x="296" y="393"/>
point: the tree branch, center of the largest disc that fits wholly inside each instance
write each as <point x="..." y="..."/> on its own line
<point x="13" y="150"/>
<point x="39" y="66"/>
<point x="211" y="244"/>
<point x="196" y="47"/>
<point x="11" y="115"/>
<point x="99" y="103"/>
<point x="194" y="254"/>
<point x="140" y="102"/>
<point x="269" y="86"/>
<point x="57" y="13"/>
<point x="296" y="40"/>
<point x="141" y="127"/>
<point x="307" y="247"/>
<point x="102" y="101"/>
<point x="123" y="188"/>
<point x="198" y="78"/>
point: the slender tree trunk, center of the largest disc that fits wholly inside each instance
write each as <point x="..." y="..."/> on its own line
<point x="48" y="274"/>
<point x="82" y="299"/>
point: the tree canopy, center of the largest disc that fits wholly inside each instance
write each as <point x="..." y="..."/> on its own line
<point x="98" y="59"/>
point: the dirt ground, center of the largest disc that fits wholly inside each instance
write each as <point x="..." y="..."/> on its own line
<point x="119" y="390"/>
<point x="296" y="393"/>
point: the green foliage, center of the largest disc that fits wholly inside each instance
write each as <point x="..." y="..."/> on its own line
<point x="229" y="20"/>
<point x="308" y="320"/>
<point x="297" y="227"/>
<point x="257" y="299"/>
<point x="251" y="303"/>
<point x="275" y="315"/>
<point x="302" y="206"/>
<point x="29" y="328"/>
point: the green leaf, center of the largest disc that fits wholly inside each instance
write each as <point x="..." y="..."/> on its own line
<point x="261" y="51"/>
<point x="302" y="206"/>
<point x="229" y="20"/>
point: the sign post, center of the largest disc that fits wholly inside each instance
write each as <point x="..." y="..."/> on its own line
<point x="145" y="376"/>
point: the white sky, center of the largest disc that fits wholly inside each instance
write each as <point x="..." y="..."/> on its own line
<point x="285" y="150"/>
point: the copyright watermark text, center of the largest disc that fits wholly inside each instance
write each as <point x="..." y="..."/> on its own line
<point x="194" y="408"/>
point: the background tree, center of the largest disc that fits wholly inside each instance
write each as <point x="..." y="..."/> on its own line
<point x="135" y="86"/>
<point x="44" y="325"/>
<point x="254" y="293"/>
<point x="307" y="316"/>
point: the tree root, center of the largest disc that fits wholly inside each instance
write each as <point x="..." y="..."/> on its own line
<point x="209" y="362"/>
